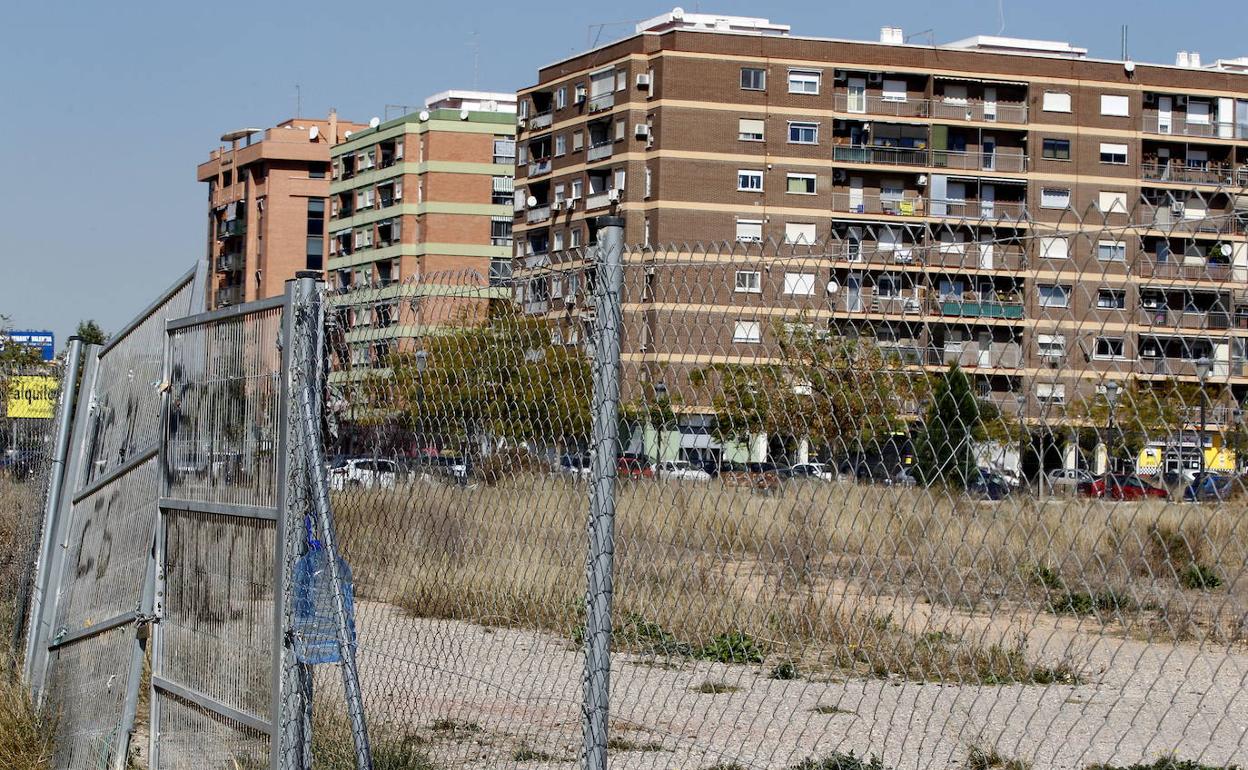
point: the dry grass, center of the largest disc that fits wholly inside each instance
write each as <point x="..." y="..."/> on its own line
<point x="25" y="732"/>
<point x="822" y="575"/>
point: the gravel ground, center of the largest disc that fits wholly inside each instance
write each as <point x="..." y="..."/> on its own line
<point x="498" y="691"/>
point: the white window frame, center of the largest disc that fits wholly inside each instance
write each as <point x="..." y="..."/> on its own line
<point x="1116" y="105"/>
<point x="1114" y="295"/>
<point x="561" y="145"/>
<point x="1114" y="153"/>
<point x="577" y="190"/>
<point x="749" y="180"/>
<point x="1097" y="354"/>
<point x="1111" y="202"/>
<point x="1055" y="101"/>
<point x="748" y="282"/>
<point x="811" y="178"/>
<point x="1051" y="393"/>
<point x="1050" y="249"/>
<point x="578" y="140"/>
<point x="891" y="93"/>
<point x="799" y="284"/>
<point x="561" y="97"/>
<point x="750" y="224"/>
<point x="1111" y="251"/>
<point x="1050" y="346"/>
<point x="747" y="331"/>
<point x="807" y="81"/>
<point x="810" y="227"/>
<point x="751" y="136"/>
<point x="1050" y="301"/>
<point x="1044" y="195"/>
<point x="761" y="71"/>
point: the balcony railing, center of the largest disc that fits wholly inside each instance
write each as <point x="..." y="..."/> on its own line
<point x="888" y="156"/>
<point x="906" y="205"/>
<point x="603" y="102"/>
<point x="980" y="308"/>
<point x="912" y="205"/>
<point x="1182" y="270"/>
<point x="599" y="151"/>
<point x="1181" y="319"/>
<point x="1007" y="162"/>
<point x="1004" y="161"/>
<point x="541" y="120"/>
<point x="1168" y="367"/>
<point x="539" y="167"/>
<point x="231" y="228"/>
<point x="966" y="109"/>
<point x="229" y="295"/>
<point x="1182" y="219"/>
<point x="230" y="263"/>
<point x="994" y="211"/>
<point x="537" y="214"/>
<point x="960" y="256"/>
<point x="1179" y="124"/>
<point x="598" y="200"/>
<point x="1178" y="171"/>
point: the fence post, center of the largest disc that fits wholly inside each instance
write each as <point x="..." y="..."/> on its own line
<point x="39" y="570"/>
<point x="310" y="325"/>
<point x="605" y="443"/>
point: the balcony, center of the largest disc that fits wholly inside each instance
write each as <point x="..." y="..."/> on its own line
<point x="231" y="262"/>
<point x="231" y="228"/>
<point x="861" y="104"/>
<point x="961" y="255"/>
<point x="541" y="120"/>
<point x="965" y="109"/>
<point x="1178" y="218"/>
<point x="1006" y="162"/>
<point x="1003" y="160"/>
<point x="598" y="200"/>
<point x="974" y="355"/>
<point x="882" y="156"/>
<point x="1181" y="319"/>
<point x="599" y="151"/>
<point x="1180" y="125"/>
<point x="539" y="167"/>
<point x="600" y="103"/>
<point x="1181" y="269"/>
<point x="229" y="295"/>
<point x="537" y="214"/>
<point x="978" y="211"/>
<point x="963" y="308"/>
<point x="905" y="205"/>
<point x="1166" y="367"/>
<point x="1181" y="172"/>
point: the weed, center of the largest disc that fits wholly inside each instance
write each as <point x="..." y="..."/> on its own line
<point x="454" y="725"/>
<point x="840" y="761"/>
<point x="734" y="647"/>
<point x="715" y="688"/>
<point x="1105" y="601"/>
<point x="1200" y="578"/>
<point x="624" y="744"/>
<point x="828" y="710"/>
<point x="784" y="671"/>
<point x="26" y="732"/>
<point x="331" y="747"/>
<point x="725" y="766"/>
<point x="991" y="759"/>
<point x="1169" y="762"/>
<point x="530" y="754"/>
<point x="1049" y="578"/>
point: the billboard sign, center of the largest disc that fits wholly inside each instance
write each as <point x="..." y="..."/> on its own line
<point x="33" y="396"/>
<point x="44" y="341"/>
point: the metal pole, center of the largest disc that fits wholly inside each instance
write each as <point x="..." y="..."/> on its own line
<point x="56" y="480"/>
<point x="309" y="320"/>
<point x="605" y="442"/>
<point x="1200" y="442"/>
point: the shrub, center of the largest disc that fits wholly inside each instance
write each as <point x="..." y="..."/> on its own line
<point x="841" y="761"/>
<point x="1201" y="578"/>
<point x="734" y="647"/>
<point x="784" y="671"/>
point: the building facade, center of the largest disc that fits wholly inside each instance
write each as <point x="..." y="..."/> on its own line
<point x="426" y="195"/>
<point x="1047" y="220"/>
<point x="267" y="194"/>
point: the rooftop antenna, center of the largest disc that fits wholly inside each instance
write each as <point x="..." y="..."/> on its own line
<point x="930" y="34"/>
<point x="593" y="32"/>
<point x="1001" y="16"/>
<point x="298" y="100"/>
<point x="476" y="57"/>
<point x="1124" y="43"/>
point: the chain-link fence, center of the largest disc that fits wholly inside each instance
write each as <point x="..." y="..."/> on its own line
<point x="951" y="496"/>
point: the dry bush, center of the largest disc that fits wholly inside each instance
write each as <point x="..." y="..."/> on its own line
<point x="25" y="732"/>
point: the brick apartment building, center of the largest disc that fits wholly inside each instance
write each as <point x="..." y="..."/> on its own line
<point x="428" y="194"/>
<point x="961" y="200"/>
<point x="267" y="193"/>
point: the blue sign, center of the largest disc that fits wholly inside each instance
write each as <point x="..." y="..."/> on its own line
<point x="44" y="341"/>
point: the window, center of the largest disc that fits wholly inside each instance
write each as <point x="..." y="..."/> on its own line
<point x="1051" y="345"/>
<point x="574" y="237"/>
<point x="955" y="93"/>
<point x="750" y="129"/>
<point x="1114" y="153"/>
<point x="1111" y="299"/>
<point x="557" y="243"/>
<point x="1109" y="347"/>
<point x="1050" y="393"/>
<point x="1054" y="248"/>
<point x="621" y="80"/>
<point x="500" y="231"/>
<point x="561" y="145"/>
<point x="578" y="140"/>
<point x="1055" y="101"/>
<point x="1198" y="113"/>
<point x="316" y="170"/>
<point x="799" y="283"/>
<point x="1056" y="149"/>
<point x="803" y="133"/>
<point x="804" y="81"/>
<point x="316" y="234"/>
<point x="561" y="97"/>
<point x="1111" y="251"/>
<point x="750" y="230"/>
<point x="619" y="175"/>
<point x="1115" y="105"/>
<point x="749" y="281"/>
<point x="1054" y="296"/>
<point x="649" y="180"/>
<point x="799" y="232"/>
<point x="753" y="79"/>
<point x="505" y="151"/>
<point x="578" y="189"/>
<point x="747" y="331"/>
<point x="1112" y="202"/>
<point x="801" y="184"/>
<point x="621" y="130"/>
<point x="503" y="189"/>
<point x="365" y="198"/>
<point x="894" y="90"/>
<point x="1054" y="198"/>
<point x="749" y="181"/>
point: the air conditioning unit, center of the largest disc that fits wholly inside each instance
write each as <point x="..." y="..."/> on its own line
<point x="521" y="121"/>
<point x="839" y="124"/>
<point x="1150" y="98"/>
<point x="875" y="77"/>
<point x="1177" y="209"/>
<point x="838" y="175"/>
<point x="569" y="300"/>
<point x="840" y="76"/>
<point x="613" y="195"/>
<point x="569" y="204"/>
<point x="643" y="80"/>
<point x="579" y="98"/>
<point x="1181" y="101"/>
<point x="641" y="130"/>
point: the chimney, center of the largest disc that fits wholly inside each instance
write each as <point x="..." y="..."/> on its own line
<point x="1195" y="59"/>
<point x="333" y="126"/>
<point x="1180" y="59"/>
<point x="892" y="36"/>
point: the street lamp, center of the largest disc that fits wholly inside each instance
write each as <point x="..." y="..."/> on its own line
<point x="1203" y="366"/>
<point x="1112" y="391"/>
<point x="1021" y="396"/>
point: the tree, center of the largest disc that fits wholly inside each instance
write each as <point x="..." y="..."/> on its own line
<point x="15" y="356"/>
<point x="945" y="449"/>
<point x="504" y="379"/>
<point x="90" y="333"/>
<point x="1143" y="412"/>
<point x="834" y="391"/>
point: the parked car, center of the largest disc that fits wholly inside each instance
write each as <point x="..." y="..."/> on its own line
<point x="759" y="476"/>
<point x="19" y="464"/>
<point x="817" y="471"/>
<point x="1067" y="480"/>
<point x="987" y="484"/>
<point x="1210" y="487"/>
<point x="680" y="470"/>
<point x="633" y="467"/>
<point x="362" y="472"/>
<point x="577" y="465"/>
<point x="1121" y="486"/>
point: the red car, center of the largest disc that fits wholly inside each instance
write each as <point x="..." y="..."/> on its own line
<point x="1121" y="486"/>
<point x="633" y="467"/>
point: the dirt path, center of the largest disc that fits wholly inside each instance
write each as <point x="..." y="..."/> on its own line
<point x="507" y="690"/>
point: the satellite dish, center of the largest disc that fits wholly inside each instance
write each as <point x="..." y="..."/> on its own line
<point x="678" y="13"/>
<point x="833" y="287"/>
<point x="346" y="134"/>
<point x="424" y="115"/>
<point x="1129" y="66"/>
<point x="530" y="201"/>
<point x="1226" y="249"/>
<point x="463" y="114"/>
<point x="376" y="121"/>
<point x="314" y="132"/>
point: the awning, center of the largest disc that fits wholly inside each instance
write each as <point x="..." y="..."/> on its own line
<point x="1241" y="202"/>
<point x="982" y="80"/>
<point x="984" y="179"/>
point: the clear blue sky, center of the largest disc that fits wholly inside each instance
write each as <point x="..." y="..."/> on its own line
<point x="107" y="107"/>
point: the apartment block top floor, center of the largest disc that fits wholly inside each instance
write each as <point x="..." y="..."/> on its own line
<point x="453" y="110"/>
<point x="988" y="56"/>
<point x="295" y="139"/>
